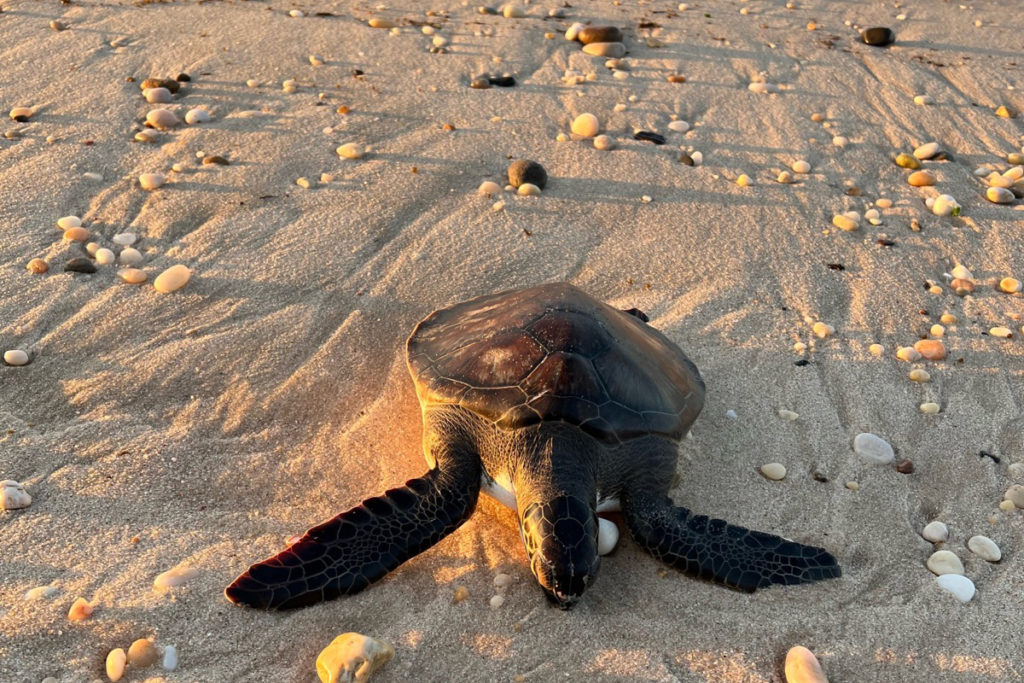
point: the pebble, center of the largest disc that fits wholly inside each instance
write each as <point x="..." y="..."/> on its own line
<point x="607" y="536"/>
<point x="290" y="85"/>
<point x="788" y="415"/>
<point x="104" y="256"/>
<point x="844" y="222"/>
<point x="133" y="276"/>
<point x="573" y="32"/>
<point x="876" y="350"/>
<point x="318" y="60"/>
<point x="822" y="330"/>
<point x="80" y="264"/>
<point x="613" y="50"/>
<point x="878" y="36"/>
<point x="170" y="660"/>
<point x="853" y="486"/>
<point x="962" y="286"/>
<point x="124" y="239"/>
<point x="1010" y="285"/>
<point x="304" y="183"/>
<point x="528" y="190"/>
<point x="801" y="166"/>
<point x="905" y="467"/>
<point x="999" y="195"/>
<point x="648" y="136"/>
<point x="147" y="135"/>
<point x="873" y="217"/>
<point x="599" y="34"/>
<point x="918" y="375"/>
<point x="174" y="577"/>
<point x="921" y="179"/>
<point x="604" y="142"/>
<point x="162" y="119"/>
<point x="80" y="610"/>
<point x="763" y="88"/>
<point x="1015" y="494"/>
<point x="985" y="548"/>
<point x="68" y="222"/>
<point x="116" y="660"/>
<point x="927" y="151"/>
<point x="744" y="180"/>
<point x="1006" y="112"/>
<point x="131" y="256"/>
<point x="488" y="188"/>
<point x="1015" y="158"/>
<point x="157" y="95"/>
<point x="945" y="205"/>
<point x="884" y="203"/>
<point x="480" y="83"/>
<point x="460" y="594"/>
<point x="142" y="653"/>
<point x="502" y="580"/>
<point x="904" y="160"/>
<point x="679" y="126"/>
<point x="378" y="22"/>
<point x="961" y="587"/>
<point x="527" y="171"/>
<point x="352" y="657"/>
<point x="948" y="319"/>
<point x="1002" y="332"/>
<point x="168" y="83"/>
<point x="37" y="266"/>
<point x="12" y="494"/>
<point x="497" y="601"/>
<point x="195" y="116"/>
<point x="151" y="181"/>
<point x="41" y="593"/>
<point x="803" y="667"/>
<point x="351" y="150"/>
<point x="774" y="471"/>
<point x="935" y="532"/>
<point x="944" y="562"/>
<point x="78" y="234"/>
<point x="873" y="448"/>
<point x="503" y="81"/>
<point x="929" y="408"/>
<point x="513" y="11"/>
<point x="586" y="125"/>
<point x="932" y="349"/>
<point x="676" y="78"/>
<point x="784" y="177"/>
<point x="923" y="100"/>
<point x="840" y="141"/>
<point x="171" y="280"/>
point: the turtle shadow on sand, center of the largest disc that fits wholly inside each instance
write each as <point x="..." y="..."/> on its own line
<point x="561" y="407"/>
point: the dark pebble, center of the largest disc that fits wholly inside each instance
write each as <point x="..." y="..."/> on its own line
<point x="183" y="77"/>
<point x="649" y="137"/>
<point x="503" y="81"/>
<point x="599" y="34"/>
<point x="905" y="467"/>
<point x="480" y="83"/>
<point x="215" y="159"/>
<point x="80" y="264"/>
<point x="20" y="119"/>
<point x="526" y="171"/>
<point x="879" y="36"/>
<point x="685" y="158"/>
<point x="168" y="83"/>
<point x="801" y="363"/>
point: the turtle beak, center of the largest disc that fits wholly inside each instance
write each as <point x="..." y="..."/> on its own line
<point x="561" y="542"/>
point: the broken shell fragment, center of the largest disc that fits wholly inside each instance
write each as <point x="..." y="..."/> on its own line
<point x="13" y="495"/>
<point x="352" y="658"/>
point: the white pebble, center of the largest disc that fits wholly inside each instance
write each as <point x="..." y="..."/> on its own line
<point x="194" y="116"/>
<point x="985" y="548"/>
<point x="172" y="279"/>
<point x="763" y="88"/>
<point x="604" y="142"/>
<point x="151" y="181"/>
<point x="908" y="354"/>
<point x="607" y="536"/>
<point x="945" y="205"/>
<point x="1016" y="471"/>
<point x="489" y="188"/>
<point x="944" y="562"/>
<point x="174" y="577"/>
<point x="497" y="601"/>
<point x="803" y="667"/>
<point x="840" y="141"/>
<point x="927" y="150"/>
<point x="131" y="256"/>
<point x="773" y="470"/>
<point x="962" y="272"/>
<point x="133" y="276"/>
<point x="15" y="357"/>
<point x="528" y="190"/>
<point x="116" y="660"/>
<point x="68" y="222"/>
<point x="124" y="239"/>
<point x="104" y="256"/>
<point x="929" y="408"/>
<point x="788" y="415"/>
<point x="935" y="532"/>
<point x="170" y="662"/>
<point x="13" y="495"/>
<point x="1003" y="332"/>
<point x="679" y="126"/>
<point x="873" y="216"/>
<point x="873" y="448"/>
<point x="801" y="166"/>
<point x="162" y="119"/>
<point x="586" y="125"/>
<point x="960" y="586"/>
<point x="698" y="158"/>
<point x="1015" y="494"/>
<point x="573" y="31"/>
<point x="350" y="150"/>
<point x="157" y="95"/>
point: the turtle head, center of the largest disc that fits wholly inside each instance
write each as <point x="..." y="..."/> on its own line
<point x="561" y="541"/>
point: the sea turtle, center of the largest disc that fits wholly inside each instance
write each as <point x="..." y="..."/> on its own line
<point x="558" y="405"/>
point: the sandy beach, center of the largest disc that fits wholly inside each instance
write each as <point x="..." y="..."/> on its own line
<point x="203" y="427"/>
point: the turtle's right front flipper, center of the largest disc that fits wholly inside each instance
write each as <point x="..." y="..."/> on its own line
<point x="713" y="549"/>
<point x="346" y="554"/>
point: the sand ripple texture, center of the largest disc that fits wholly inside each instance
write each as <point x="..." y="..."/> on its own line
<point x="204" y="427"/>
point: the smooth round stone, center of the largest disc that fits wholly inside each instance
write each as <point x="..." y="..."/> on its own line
<point x="378" y="22"/>
<point x="573" y="32"/>
<point x="480" y="83"/>
<point x="945" y="205"/>
<point x="513" y="11"/>
<point x="932" y="349"/>
<point x="773" y="470"/>
<point x="878" y="36"/>
<point x="174" y="577"/>
<point x="502" y="580"/>
<point x="151" y="181"/>
<point x="142" y="653"/>
<point x="929" y="408"/>
<point x="679" y="126"/>
<point x="170" y="660"/>
<point x="999" y="195"/>
<point x="147" y="135"/>
<point x="607" y="536"/>
<point x="873" y="448"/>
<point x="527" y="171"/>
<point x="16" y="357"/>
<point x="904" y="160"/>
<point x="873" y="216"/>
<point x="157" y="95"/>
<point x="131" y="256"/>
<point x="985" y="548"/>
<point x="801" y="166"/>
<point x="923" y="100"/>
<point x="37" y="266"/>
<point x="104" y="257"/>
<point x="961" y="587"/>
<point x="78" y="234"/>
<point x="935" y="532"/>
<point x="133" y="276"/>
<point x="876" y="350"/>
<point x="599" y="34"/>
<point x="962" y="271"/>
<point x="927" y="151"/>
<point x="162" y="119"/>
<point x="528" y="190"/>
<point x="840" y="141"/>
<point x="1010" y="285"/>
<point x="1016" y="471"/>
<point x="921" y="179"/>
<point x="124" y="239"/>
<point x="918" y="375"/>
<point x="604" y="142"/>
<point x="68" y="222"/>
<point x="172" y="279"/>
<point x="1000" y="331"/>
<point x="784" y="177"/>
<point x="743" y="180"/>
<point x="195" y="116"/>
<point x="1015" y="158"/>
<point x="116" y="661"/>
<point x="803" y="667"/>
<point x="586" y="125"/>
<point x="488" y="188"/>
<point x="351" y="150"/>
<point x="822" y="330"/>
<point x="614" y="50"/>
<point x="80" y="264"/>
<point x="1015" y="494"/>
<point x="944" y="562"/>
<point x="845" y="223"/>
<point x="497" y="601"/>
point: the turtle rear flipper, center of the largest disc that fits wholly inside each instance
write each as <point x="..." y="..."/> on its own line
<point x="713" y="549"/>
<point x="346" y="554"/>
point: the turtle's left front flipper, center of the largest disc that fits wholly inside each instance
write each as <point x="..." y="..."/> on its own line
<point x="346" y="554"/>
<point x="713" y="549"/>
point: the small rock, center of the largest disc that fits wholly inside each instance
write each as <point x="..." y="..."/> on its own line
<point x="945" y="205"/>
<point x="170" y="661"/>
<point x="599" y="34"/>
<point x="304" y="183"/>
<point x="131" y="256"/>
<point x="142" y="654"/>
<point x="905" y="467"/>
<point x="822" y="330"/>
<point x="1016" y="471"/>
<point x="513" y="11"/>
<point x="573" y="32"/>
<point x="676" y="78"/>
<point x="801" y="166"/>
<point x="352" y="657"/>
<point x="604" y="142"/>
<point x="80" y="264"/>
<point x="944" y="562"/>
<point x="878" y="36"/>
<point x="124" y="239"/>
<point x="774" y="471"/>
<point x="488" y="188"/>
<point x="679" y="126"/>
<point x="788" y="415"/>
<point x="845" y="223"/>
<point x="151" y="181"/>
<point x="480" y="83"/>
<point x="1015" y="494"/>
<point x="935" y="532"/>
<point x="116" y="660"/>
<point x="1010" y="285"/>
<point x="21" y="114"/>
<point x="907" y="161"/>
<point x="918" y="375"/>
<point x="999" y="195"/>
<point x="985" y="548"/>
<point x="873" y="448"/>
<point x="351" y="150"/>
<point x="502" y="580"/>
<point x="921" y="179"/>
<point x="763" y="88"/>
<point x="78" y="234"/>
<point x="923" y="100"/>
<point x="960" y="586"/>
<point x="1006" y="112"/>
<point x="932" y="349"/>
<point x="527" y="171"/>
<point x="133" y="276"/>
<point x="1002" y="332"/>
<point x="607" y="536"/>
<point x="162" y="119"/>
<point x="104" y="256"/>
<point x="528" y="190"/>
<point x="497" y="601"/>
<point x="171" y="280"/>
<point x="586" y="125"/>
<point x="157" y="95"/>
<point x="929" y="408"/>
<point x="80" y="610"/>
<point x="961" y="286"/>
<point x="803" y="667"/>
<point x="784" y="177"/>
<point x="648" y="136"/>
<point x="68" y="222"/>
<point x="876" y="350"/>
<point x="613" y="50"/>
<point x="174" y="577"/>
<point x="503" y="81"/>
<point x="460" y="594"/>
<point x="37" y="266"/>
<point x="12" y="494"/>
<point x="927" y="151"/>
<point x="378" y="22"/>
<point x="196" y="116"/>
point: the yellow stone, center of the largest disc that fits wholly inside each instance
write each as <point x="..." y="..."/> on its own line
<point x="116" y="660"/>
<point x="1010" y="285"/>
<point x="948" y="319"/>
<point x="1003" y="332"/>
<point x="937" y="330"/>
<point x="918" y="375"/>
<point x="1006" y="112"/>
<point x="586" y="125"/>
<point x="905" y="160"/>
<point x="350" y="150"/>
<point x="377" y="22"/>
<point x="844" y="223"/>
<point x="929" y="408"/>
<point x="142" y="653"/>
<point x="38" y="266"/>
<point x="172" y="279"/>
<point x="921" y="179"/>
<point x="461" y="593"/>
<point x="743" y="180"/>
